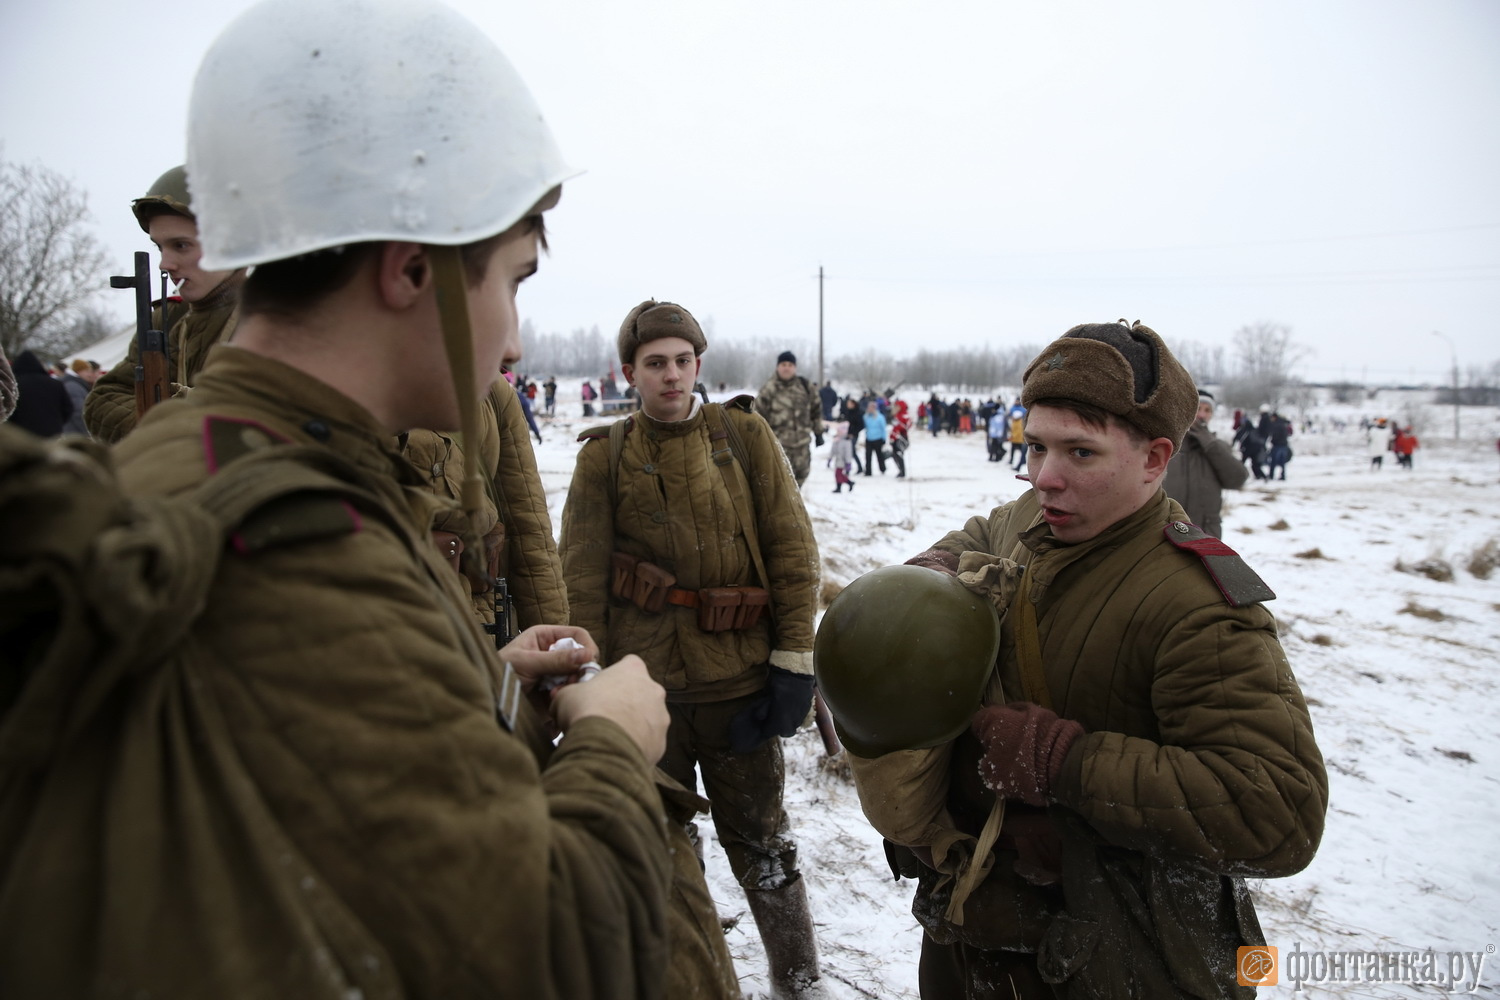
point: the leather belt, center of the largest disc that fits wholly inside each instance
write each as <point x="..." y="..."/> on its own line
<point x="682" y="598"/>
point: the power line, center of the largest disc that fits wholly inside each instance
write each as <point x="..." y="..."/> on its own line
<point x="1360" y="277"/>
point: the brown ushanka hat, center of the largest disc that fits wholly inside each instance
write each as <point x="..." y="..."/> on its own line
<point x="652" y="320"/>
<point x="1123" y="369"/>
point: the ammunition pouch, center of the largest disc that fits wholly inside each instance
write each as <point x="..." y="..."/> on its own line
<point x="641" y="583"/>
<point x="722" y="609"/>
<point x="651" y="588"/>
<point x="622" y="575"/>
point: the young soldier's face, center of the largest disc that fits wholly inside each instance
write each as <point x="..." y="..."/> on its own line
<point x="664" y="373"/>
<point x="785" y="370"/>
<point x="176" y="236"/>
<point x="1087" y="479"/>
<point x="492" y="305"/>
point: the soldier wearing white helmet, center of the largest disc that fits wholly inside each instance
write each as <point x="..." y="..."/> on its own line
<point x="383" y="170"/>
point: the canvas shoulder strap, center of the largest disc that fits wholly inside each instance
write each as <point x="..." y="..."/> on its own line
<point x="1028" y="645"/>
<point x="1028" y="639"/>
<point x="729" y="456"/>
<point x="617" y="432"/>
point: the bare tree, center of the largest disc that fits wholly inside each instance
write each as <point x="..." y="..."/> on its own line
<point x="984" y="370"/>
<point x="869" y="369"/>
<point x="49" y="263"/>
<point x="90" y="325"/>
<point x="746" y="362"/>
<point x="1481" y="387"/>
<point x="1204" y="362"/>
<point x="1264" y="354"/>
<point x="1346" y="392"/>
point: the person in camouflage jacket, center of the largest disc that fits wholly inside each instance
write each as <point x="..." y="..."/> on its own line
<point x="791" y="405"/>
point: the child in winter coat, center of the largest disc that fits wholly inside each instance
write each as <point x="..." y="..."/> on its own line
<point x="841" y="457"/>
<point x="1404" y="444"/>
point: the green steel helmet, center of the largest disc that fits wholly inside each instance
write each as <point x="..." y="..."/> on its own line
<point x="168" y="194"/>
<point x="902" y="658"/>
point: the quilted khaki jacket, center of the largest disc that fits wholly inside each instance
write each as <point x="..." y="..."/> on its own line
<point x="529" y="559"/>
<point x="109" y="412"/>
<point x="1198" y="766"/>
<point x="360" y="696"/>
<point x="1199" y="745"/>
<point x="671" y="506"/>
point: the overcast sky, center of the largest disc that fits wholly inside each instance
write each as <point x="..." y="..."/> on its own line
<point x="964" y="172"/>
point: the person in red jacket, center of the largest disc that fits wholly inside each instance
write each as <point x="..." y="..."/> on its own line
<point x="1406" y="443"/>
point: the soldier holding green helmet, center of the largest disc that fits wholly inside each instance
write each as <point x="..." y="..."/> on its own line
<point x="1138" y="747"/>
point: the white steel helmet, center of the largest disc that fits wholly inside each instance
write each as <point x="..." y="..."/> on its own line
<point x="315" y="123"/>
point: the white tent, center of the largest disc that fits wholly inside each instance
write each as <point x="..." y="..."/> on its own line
<point x="108" y="352"/>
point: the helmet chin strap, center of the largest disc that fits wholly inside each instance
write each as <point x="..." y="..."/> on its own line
<point x="458" y="342"/>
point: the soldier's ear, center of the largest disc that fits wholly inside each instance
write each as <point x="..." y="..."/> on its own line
<point x="403" y="273"/>
<point x="1158" y="455"/>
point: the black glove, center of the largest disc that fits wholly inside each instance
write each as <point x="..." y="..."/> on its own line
<point x="778" y="711"/>
<point x="817" y="440"/>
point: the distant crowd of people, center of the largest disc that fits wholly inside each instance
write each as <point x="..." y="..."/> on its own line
<point x="46" y="400"/>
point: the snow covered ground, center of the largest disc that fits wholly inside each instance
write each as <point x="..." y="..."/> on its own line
<point x="1400" y="670"/>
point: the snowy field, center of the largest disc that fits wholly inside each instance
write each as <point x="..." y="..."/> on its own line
<point x="1400" y="670"/>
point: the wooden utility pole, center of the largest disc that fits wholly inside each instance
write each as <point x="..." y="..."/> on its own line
<point x="1454" y="352"/>
<point x="821" y="380"/>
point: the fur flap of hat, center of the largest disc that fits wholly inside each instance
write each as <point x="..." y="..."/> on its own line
<point x="652" y="320"/>
<point x="1124" y="369"/>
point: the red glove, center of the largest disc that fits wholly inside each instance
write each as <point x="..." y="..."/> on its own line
<point x="1024" y="747"/>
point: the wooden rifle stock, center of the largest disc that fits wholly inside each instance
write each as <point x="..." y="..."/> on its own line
<point x="152" y="370"/>
<point x="824" y="719"/>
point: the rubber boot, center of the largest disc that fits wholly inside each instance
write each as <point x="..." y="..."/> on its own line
<point x="786" y="930"/>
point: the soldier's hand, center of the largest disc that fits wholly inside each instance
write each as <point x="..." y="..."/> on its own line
<point x="817" y="440"/>
<point x="936" y="559"/>
<point x="1024" y="748"/>
<point x="530" y="656"/>
<point x="780" y="710"/>
<point x="626" y="695"/>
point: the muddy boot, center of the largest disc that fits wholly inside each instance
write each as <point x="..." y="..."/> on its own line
<point x="786" y="930"/>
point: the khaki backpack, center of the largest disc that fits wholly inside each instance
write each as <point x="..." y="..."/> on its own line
<point x="137" y="858"/>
